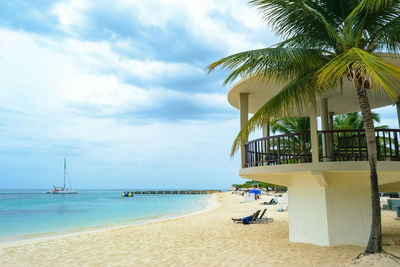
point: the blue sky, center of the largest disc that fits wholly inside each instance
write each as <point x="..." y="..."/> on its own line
<point x="120" y="89"/>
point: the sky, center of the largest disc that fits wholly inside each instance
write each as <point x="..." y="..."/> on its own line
<point x="120" y="89"/>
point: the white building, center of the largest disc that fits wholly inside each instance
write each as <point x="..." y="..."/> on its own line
<point x="328" y="181"/>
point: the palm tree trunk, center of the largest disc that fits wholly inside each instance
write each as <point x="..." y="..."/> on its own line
<point x="375" y="238"/>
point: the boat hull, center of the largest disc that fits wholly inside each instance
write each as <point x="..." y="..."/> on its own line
<point x="63" y="193"/>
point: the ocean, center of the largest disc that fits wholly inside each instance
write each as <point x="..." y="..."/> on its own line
<point x="24" y="213"/>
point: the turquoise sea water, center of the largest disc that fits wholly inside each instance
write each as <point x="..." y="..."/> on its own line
<point x="28" y="212"/>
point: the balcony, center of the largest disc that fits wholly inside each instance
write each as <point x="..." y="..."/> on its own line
<point x="333" y="146"/>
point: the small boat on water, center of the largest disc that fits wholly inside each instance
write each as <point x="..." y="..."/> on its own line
<point x="63" y="189"/>
<point x="127" y="194"/>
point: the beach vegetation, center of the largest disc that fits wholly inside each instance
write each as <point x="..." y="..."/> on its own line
<point x="290" y="125"/>
<point x="349" y="121"/>
<point x="324" y="42"/>
<point x="252" y="183"/>
<point x="354" y="121"/>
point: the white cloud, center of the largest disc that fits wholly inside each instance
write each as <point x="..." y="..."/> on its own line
<point x="70" y="13"/>
<point x="197" y="16"/>
<point x="388" y="116"/>
<point x="42" y="79"/>
<point x="215" y="99"/>
<point x="106" y="92"/>
<point x="45" y="78"/>
<point x="77" y="72"/>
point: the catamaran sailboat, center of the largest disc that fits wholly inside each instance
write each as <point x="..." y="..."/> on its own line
<point x="63" y="189"/>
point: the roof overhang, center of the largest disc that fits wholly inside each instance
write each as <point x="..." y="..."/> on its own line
<point x="341" y="100"/>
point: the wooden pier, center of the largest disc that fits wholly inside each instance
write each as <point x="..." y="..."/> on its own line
<point x="177" y="192"/>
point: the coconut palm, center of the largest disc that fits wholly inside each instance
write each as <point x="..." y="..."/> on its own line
<point x="325" y="41"/>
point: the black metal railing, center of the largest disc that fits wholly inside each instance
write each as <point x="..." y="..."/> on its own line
<point x="334" y="145"/>
<point x="351" y="145"/>
<point x="279" y="149"/>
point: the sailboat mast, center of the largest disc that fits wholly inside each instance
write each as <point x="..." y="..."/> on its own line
<point x="65" y="171"/>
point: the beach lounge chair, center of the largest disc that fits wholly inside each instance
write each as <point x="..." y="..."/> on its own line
<point x="263" y="219"/>
<point x="262" y="214"/>
<point x="248" y="219"/>
<point x="273" y="201"/>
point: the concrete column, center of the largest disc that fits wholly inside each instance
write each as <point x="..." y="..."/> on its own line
<point x="244" y="117"/>
<point x="326" y="144"/>
<point x="327" y="204"/>
<point x="313" y="133"/>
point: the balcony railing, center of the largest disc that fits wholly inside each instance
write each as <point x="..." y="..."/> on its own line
<point x="336" y="145"/>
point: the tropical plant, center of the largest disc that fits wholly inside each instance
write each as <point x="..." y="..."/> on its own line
<point x="325" y="42"/>
<point x="291" y="125"/>
<point x="253" y="183"/>
<point x="353" y="121"/>
<point x="349" y="121"/>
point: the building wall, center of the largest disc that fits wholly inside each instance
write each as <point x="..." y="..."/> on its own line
<point x="308" y="222"/>
<point x="348" y="201"/>
<point x="335" y="214"/>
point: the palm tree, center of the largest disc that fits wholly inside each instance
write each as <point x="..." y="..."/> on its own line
<point x="325" y="42"/>
<point x="349" y="121"/>
<point x="291" y="125"/>
<point x="354" y="120"/>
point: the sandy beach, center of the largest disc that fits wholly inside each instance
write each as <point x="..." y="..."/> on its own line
<point x="208" y="238"/>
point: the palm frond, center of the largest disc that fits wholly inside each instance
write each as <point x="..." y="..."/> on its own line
<point x="274" y="63"/>
<point x="279" y="126"/>
<point x="289" y="18"/>
<point x="386" y="35"/>
<point x="331" y="30"/>
<point x="355" y="120"/>
<point x="367" y="20"/>
<point x="356" y="63"/>
<point x="291" y="125"/>
<point x="371" y="6"/>
<point x="338" y="10"/>
<point x="304" y="40"/>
